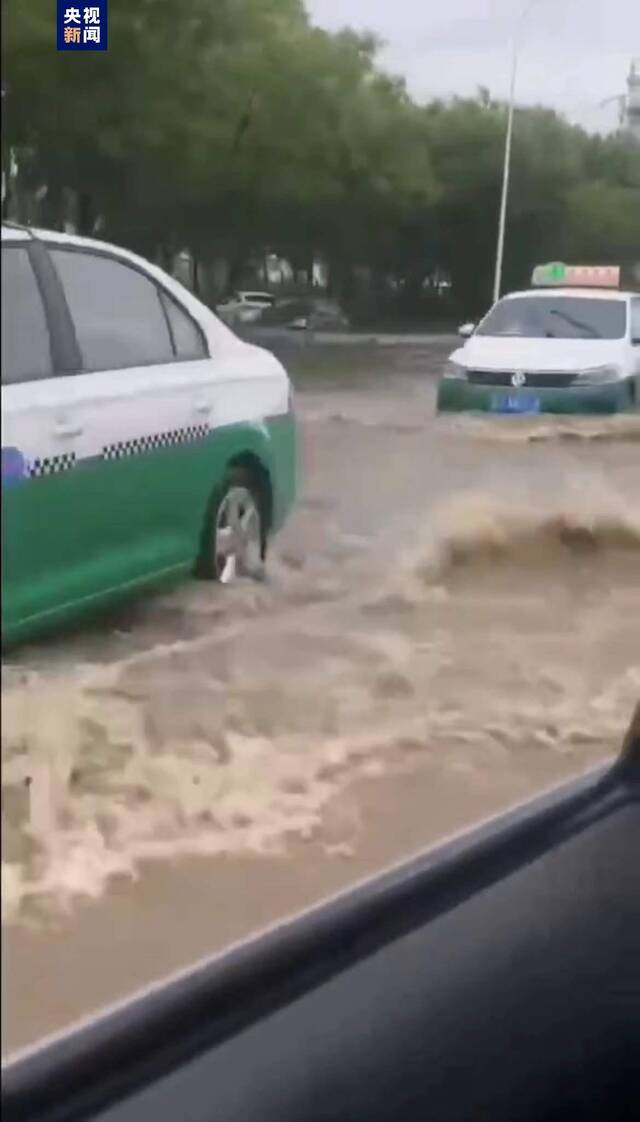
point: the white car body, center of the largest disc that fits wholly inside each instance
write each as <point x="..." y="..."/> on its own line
<point x="125" y="405"/>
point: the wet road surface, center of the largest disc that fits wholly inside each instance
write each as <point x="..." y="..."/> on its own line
<point x="450" y="623"/>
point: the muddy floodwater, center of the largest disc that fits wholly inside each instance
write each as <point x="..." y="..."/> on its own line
<point x="451" y="622"/>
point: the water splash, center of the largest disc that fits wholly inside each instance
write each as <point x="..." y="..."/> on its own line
<point x="489" y="636"/>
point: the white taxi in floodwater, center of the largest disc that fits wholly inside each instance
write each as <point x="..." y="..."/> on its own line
<point x="140" y="437"/>
<point x="571" y="344"/>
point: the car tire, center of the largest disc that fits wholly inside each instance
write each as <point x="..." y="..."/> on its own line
<point x="234" y="540"/>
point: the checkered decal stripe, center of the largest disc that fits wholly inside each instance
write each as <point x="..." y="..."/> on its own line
<point x="65" y="461"/>
<point x="139" y="444"/>
<point x="52" y="465"/>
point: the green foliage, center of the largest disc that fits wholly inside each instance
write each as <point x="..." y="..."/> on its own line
<point x="233" y="127"/>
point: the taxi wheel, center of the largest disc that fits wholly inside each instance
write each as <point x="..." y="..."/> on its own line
<point x="235" y="536"/>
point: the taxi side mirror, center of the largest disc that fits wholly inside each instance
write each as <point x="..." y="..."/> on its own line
<point x="466" y="330"/>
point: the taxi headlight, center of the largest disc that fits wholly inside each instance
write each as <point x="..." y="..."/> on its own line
<point x="598" y="376"/>
<point x="455" y="370"/>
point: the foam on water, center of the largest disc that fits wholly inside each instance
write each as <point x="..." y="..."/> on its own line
<point x="618" y="428"/>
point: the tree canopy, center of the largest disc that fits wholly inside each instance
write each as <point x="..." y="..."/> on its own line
<point x="235" y="127"/>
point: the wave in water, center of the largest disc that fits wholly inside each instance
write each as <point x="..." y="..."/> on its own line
<point x="475" y="529"/>
<point x="237" y="740"/>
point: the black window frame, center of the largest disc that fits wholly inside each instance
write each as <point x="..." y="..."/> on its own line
<point x="62" y="348"/>
<point x="91" y="251"/>
<point x="633" y="304"/>
<point x="167" y="298"/>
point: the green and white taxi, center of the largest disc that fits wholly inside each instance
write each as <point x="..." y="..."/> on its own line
<point x="570" y="344"/>
<point x="140" y="438"/>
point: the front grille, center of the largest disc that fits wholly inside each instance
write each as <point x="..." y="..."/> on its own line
<point x="534" y="379"/>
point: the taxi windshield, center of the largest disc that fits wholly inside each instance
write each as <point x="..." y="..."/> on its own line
<point x="556" y="317"/>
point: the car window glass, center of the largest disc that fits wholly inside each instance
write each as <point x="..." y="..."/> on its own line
<point x="116" y="312"/>
<point x="556" y="317"/>
<point x="635" y="319"/>
<point x="187" y="337"/>
<point x="26" y="351"/>
<point x="258" y="298"/>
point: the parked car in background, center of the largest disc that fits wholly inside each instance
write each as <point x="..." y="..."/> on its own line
<point x="244" y="307"/>
<point x="305" y="313"/>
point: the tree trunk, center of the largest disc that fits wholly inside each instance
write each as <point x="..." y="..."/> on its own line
<point x="237" y="265"/>
<point x="52" y="207"/>
<point x="86" y="214"/>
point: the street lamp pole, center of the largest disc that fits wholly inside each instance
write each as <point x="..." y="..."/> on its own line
<point x="506" y="173"/>
<point x="5" y="174"/>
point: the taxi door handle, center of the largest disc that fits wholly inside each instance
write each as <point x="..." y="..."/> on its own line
<point x="202" y="410"/>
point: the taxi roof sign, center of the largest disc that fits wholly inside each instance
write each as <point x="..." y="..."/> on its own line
<point x="557" y="275"/>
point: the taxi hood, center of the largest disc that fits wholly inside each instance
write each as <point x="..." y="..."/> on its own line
<point x="510" y="352"/>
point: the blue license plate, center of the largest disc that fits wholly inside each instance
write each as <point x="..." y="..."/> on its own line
<point x="515" y="403"/>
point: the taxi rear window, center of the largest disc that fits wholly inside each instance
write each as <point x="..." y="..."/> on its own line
<point x="556" y="317"/>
